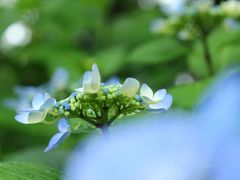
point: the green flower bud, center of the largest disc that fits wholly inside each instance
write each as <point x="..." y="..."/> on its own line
<point x="134" y="102"/>
<point x="103" y="98"/>
<point x="66" y="113"/>
<point x="72" y="100"/>
<point x="61" y="111"/>
<point x="109" y="96"/>
<point x="79" y="96"/>
<point x="73" y="108"/>
<point x="76" y="104"/>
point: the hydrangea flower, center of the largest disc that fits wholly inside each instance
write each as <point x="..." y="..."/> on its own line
<point x="91" y="81"/>
<point x="57" y="139"/>
<point x="96" y="104"/>
<point x="182" y="146"/>
<point x="41" y="104"/>
<point x="159" y="100"/>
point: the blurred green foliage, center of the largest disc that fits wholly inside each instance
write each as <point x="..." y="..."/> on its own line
<point x="115" y="34"/>
<point x="16" y="170"/>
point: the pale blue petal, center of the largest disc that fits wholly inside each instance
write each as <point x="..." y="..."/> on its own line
<point x="38" y="101"/>
<point x="46" y="96"/>
<point x="63" y="125"/>
<point x="164" y="104"/>
<point x="56" y="140"/>
<point x="160" y="94"/>
<point x="22" y="117"/>
<point x="130" y="87"/>
<point x="48" y="104"/>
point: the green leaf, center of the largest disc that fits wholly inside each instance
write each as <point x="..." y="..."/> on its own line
<point x="186" y="96"/>
<point x="54" y="159"/>
<point x="156" y="51"/>
<point x="132" y="28"/>
<point x="110" y="60"/>
<point x="26" y="171"/>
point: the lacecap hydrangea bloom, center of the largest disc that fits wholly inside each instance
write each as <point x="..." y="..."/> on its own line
<point x="96" y="104"/>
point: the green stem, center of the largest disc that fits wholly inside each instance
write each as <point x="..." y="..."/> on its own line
<point x="204" y="33"/>
<point x="207" y="56"/>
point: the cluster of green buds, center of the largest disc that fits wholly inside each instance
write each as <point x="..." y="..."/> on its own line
<point x="95" y="103"/>
<point x="197" y="20"/>
<point x="99" y="109"/>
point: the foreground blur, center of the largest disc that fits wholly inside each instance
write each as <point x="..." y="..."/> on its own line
<point x="200" y="145"/>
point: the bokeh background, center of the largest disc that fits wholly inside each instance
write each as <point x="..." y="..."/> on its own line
<point x="37" y="37"/>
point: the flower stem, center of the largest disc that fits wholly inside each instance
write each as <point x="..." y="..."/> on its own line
<point x="207" y="56"/>
<point x="105" y="132"/>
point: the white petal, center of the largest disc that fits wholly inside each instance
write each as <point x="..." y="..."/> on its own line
<point x="36" y="116"/>
<point x="148" y="100"/>
<point x="79" y="90"/>
<point x="96" y="79"/>
<point x="63" y="125"/>
<point x="146" y="91"/>
<point x="87" y="78"/>
<point x="130" y="87"/>
<point x="22" y="117"/>
<point x="38" y="101"/>
<point x="164" y="104"/>
<point x="160" y="95"/>
<point x="48" y="104"/>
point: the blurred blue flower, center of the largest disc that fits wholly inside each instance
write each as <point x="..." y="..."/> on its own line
<point x="25" y="94"/>
<point x="41" y="104"/>
<point x="203" y="144"/>
<point x="157" y="25"/>
<point x="231" y="24"/>
<point x="59" y="80"/>
<point x="24" y="98"/>
<point x="112" y="80"/>
<point x="57" y="139"/>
